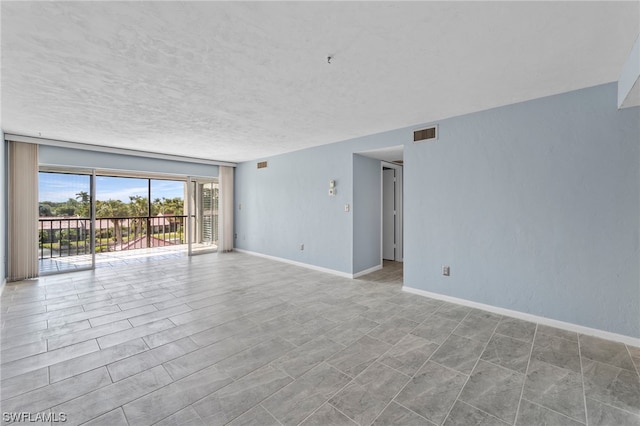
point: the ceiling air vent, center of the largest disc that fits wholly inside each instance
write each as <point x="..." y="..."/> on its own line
<point x="262" y="165"/>
<point x="425" y="134"/>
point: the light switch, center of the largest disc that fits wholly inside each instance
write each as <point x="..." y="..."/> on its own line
<point x="346" y="207"/>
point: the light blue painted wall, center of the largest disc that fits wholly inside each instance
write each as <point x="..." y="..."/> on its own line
<point x="366" y="213"/>
<point x="287" y="203"/>
<point x="69" y="157"/>
<point x="3" y="209"/>
<point x="536" y="208"/>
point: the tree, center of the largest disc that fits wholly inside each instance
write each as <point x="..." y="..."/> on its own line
<point x="139" y="208"/>
<point x="68" y="208"/>
<point x="85" y="204"/>
<point x="45" y="210"/>
<point x="158" y="206"/>
<point x="174" y="206"/>
<point x="113" y="210"/>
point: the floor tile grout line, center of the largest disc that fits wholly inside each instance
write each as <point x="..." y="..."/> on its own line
<point x="265" y="408"/>
<point x="399" y="391"/>
<point x="415" y="373"/>
<point x="484" y="348"/>
<point x="71" y="399"/>
<point x="616" y="408"/>
<point x="526" y="373"/>
<point x="485" y="412"/>
<point x="632" y="361"/>
<point x="584" y="390"/>
<point x="417" y="370"/>
<point x="554" y="411"/>
<point x="227" y="385"/>
<point x="407" y="408"/>
<point x="352" y="380"/>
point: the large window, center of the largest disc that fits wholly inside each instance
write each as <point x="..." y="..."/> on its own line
<point x="130" y="213"/>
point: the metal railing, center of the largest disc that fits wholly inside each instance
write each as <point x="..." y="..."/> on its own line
<point x="61" y="237"/>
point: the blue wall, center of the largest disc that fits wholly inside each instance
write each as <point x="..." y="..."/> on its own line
<point x="287" y="203"/>
<point x="367" y="201"/>
<point x="535" y="206"/>
<point x="69" y="157"/>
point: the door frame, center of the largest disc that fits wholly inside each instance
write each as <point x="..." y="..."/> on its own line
<point x="399" y="228"/>
<point x="193" y="206"/>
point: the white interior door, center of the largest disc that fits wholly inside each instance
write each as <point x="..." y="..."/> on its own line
<point x="389" y="214"/>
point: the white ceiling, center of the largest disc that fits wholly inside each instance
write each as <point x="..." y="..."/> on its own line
<point x="236" y="81"/>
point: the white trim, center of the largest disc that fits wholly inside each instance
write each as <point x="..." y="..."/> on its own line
<point x="367" y="271"/>
<point x="633" y="341"/>
<point x="114" y="150"/>
<point x="293" y="262"/>
<point x="4" y="284"/>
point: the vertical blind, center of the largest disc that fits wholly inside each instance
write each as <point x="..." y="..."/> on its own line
<point x="225" y="221"/>
<point x="23" y="211"/>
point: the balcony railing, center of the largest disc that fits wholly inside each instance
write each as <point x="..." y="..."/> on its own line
<point x="60" y="237"/>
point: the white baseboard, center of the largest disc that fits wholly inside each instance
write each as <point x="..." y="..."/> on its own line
<point x="367" y="271"/>
<point x="4" y="283"/>
<point x="296" y="263"/>
<point x="633" y="341"/>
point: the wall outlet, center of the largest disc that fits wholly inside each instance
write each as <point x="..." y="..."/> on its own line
<point x="301" y="246"/>
<point x="446" y="271"/>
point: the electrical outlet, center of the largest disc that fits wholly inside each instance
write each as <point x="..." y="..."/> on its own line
<point x="301" y="246"/>
<point x="446" y="271"/>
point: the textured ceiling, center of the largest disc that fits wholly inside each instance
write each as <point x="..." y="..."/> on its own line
<point x="237" y="81"/>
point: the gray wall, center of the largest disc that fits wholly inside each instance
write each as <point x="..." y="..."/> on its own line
<point x="69" y="157"/>
<point x="367" y="199"/>
<point x="287" y="204"/>
<point x="535" y="206"/>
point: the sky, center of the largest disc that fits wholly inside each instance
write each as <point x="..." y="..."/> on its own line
<point x="58" y="187"/>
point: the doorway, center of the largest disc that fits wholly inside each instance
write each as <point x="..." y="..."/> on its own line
<point x="392" y="241"/>
<point x="90" y="218"/>
<point x="203" y="216"/>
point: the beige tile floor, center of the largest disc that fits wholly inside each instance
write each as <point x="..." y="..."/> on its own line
<point x="237" y="339"/>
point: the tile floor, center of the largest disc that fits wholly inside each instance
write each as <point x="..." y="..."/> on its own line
<point x="54" y="265"/>
<point x="236" y="339"/>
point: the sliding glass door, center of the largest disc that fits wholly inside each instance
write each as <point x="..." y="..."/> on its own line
<point x="88" y="220"/>
<point x="203" y="216"/>
<point x="65" y="228"/>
